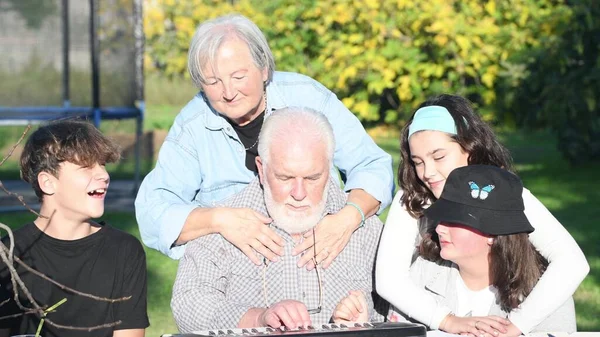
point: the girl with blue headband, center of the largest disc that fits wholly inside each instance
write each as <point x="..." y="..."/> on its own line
<point x="444" y="134"/>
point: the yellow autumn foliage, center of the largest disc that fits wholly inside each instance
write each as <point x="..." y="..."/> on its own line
<point x="381" y="57"/>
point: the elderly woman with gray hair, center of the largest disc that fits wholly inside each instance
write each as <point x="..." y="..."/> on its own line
<point x="209" y="153"/>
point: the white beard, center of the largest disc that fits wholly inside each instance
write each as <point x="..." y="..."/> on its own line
<point x="290" y="221"/>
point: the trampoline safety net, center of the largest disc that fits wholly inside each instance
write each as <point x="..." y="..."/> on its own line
<point x="62" y="58"/>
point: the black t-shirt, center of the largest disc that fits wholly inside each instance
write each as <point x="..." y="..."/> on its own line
<point x="109" y="263"/>
<point x="248" y="135"/>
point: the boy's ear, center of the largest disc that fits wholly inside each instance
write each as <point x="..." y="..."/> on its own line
<point x="47" y="182"/>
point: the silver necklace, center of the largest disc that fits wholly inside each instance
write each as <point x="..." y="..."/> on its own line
<point x="264" y="113"/>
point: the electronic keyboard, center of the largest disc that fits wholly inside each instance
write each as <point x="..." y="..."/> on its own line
<point x="388" y="329"/>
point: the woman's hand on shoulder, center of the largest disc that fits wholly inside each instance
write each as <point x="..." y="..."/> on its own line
<point x="332" y="234"/>
<point x="248" y="230"/>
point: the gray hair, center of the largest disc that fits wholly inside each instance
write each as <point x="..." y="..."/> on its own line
<point x="211" y="34"/>
<point x="306" y="122"/>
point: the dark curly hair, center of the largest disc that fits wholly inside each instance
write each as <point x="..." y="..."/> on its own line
<point x="74" y="141"/>
<point x="475" y="137"/>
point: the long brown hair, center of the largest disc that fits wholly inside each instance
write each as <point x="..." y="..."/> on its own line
<point x="515" y="265"/>
<point x="475" y="137"/>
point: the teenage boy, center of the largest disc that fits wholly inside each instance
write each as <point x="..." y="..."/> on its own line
<point x="64" y="163"/>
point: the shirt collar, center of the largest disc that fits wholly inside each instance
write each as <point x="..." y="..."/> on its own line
<point x="275" y="98"/>
<point x="213" y="120"/>
<point x="444" y="284"/>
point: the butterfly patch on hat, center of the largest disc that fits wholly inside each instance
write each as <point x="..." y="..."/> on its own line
<point x="481" y="193"/>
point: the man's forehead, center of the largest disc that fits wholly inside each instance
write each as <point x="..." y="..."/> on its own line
<point x="296" y="168"/>
<point x="295" y="144"/>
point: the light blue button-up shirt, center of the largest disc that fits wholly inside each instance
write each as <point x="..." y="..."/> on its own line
<point x="202" y="161"/>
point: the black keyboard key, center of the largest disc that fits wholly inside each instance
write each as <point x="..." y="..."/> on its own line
<point x="230" y="332"/>
<point x="254" y="331"/>
<point x="221" y="332"/>
<point x="343" y="326"/>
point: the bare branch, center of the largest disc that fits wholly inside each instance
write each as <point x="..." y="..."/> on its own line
<point x="64" y="287"/>
<point x="5" y="250"/>
<point x="20" y="198"/>
<point x="14" y="276"/>
<point x="8" y="155"/>
<point x="4" y="302"/>
<point x="32" y="311"/>
<point x="12" y="149"/>
<point x="83" y="328"/>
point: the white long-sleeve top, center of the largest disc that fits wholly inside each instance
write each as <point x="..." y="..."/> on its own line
<point x="567" y="267"/>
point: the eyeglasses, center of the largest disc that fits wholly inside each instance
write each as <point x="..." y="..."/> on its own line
<point x="310" y="311"/>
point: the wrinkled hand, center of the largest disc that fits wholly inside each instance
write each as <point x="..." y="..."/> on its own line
<point x="289" y="313"/>
<point x="247" y="230"/>
<point x="332" y="235"/>
<point x="486" y="326"/>
<point x="352" y="309"/>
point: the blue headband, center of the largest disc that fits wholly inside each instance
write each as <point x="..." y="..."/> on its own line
<point x="433" y="117"/>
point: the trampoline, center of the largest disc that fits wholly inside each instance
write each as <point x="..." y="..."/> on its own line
<point x="72" y="59"/>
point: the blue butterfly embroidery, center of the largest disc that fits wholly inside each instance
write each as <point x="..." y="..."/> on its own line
<point x="482" y="193"/>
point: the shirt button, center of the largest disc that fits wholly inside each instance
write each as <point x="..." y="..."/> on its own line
<point x="228" y="129"/>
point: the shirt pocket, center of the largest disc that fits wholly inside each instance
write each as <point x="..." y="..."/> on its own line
<point x="353" y="262"/>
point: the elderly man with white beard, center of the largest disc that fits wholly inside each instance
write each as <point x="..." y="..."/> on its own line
<point x="218" y="287"/>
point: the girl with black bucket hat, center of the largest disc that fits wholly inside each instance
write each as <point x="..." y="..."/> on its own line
<point x="475" y="256"/>
<point x="445" y="133"/>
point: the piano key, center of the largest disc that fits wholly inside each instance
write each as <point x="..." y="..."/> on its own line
<point x="325" y="330"/>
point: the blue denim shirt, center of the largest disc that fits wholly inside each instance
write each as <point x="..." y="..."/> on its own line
<point x="202" y="161"/>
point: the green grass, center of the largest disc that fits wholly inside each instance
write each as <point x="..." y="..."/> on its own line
<point x="571" y="194"/>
